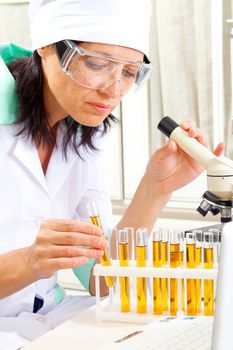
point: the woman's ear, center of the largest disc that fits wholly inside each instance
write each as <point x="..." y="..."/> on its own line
<point x="44" y="51"/>
<point x="41" y="52"/>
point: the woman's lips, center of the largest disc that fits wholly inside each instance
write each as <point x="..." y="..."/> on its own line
<point x="100" y="108"/>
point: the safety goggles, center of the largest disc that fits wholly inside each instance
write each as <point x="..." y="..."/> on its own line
<point x="98" y="71"/>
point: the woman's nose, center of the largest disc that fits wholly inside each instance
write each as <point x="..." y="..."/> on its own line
<point x="113" y="89"/>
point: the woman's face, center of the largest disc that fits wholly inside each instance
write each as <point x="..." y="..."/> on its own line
<point x="63" y="96"/>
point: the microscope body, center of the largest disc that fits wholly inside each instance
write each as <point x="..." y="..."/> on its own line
<point x="218" y="198"/>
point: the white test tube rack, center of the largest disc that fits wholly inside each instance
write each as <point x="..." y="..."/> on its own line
<point x="108" y="309"/>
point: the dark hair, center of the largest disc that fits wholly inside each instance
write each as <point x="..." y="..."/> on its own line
<point x="32" y="119"/>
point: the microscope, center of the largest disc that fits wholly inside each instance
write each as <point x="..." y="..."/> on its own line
<point x="218" y="198"/>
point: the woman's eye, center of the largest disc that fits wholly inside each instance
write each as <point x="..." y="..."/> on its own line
<point x="129" y="74"/>
<point x="95" y="65"/>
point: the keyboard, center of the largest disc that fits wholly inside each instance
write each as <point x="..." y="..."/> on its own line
<point x="168" y="333"/>
<point x="197" y="336"/>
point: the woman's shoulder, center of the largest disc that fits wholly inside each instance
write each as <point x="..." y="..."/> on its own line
<point x="7" y="136"/>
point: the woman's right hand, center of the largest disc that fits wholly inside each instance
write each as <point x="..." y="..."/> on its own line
<point x="63" y="244"/>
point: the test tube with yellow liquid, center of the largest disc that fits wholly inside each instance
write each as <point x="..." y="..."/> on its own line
<point x="181" y="263"/>
<point x="174" y="263"/>
<point x="105" y="260"/>
<point x="157" y="260"/>
<point x="208" y="283"/>
<point x="198" y="261"/>
<point x="164" y="281"/>
<point x="191" y="264"/>
<point x="216" y="240"/>
<point x="141" y="257"/>
<point x="123" y="253"/>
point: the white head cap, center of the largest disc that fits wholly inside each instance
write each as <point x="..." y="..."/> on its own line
<point x="116" y="22"/>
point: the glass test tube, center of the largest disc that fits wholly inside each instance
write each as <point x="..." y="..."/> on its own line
<point x="198" y="261"/>
<point x="208" y="283"/>
<point x="190" y="263"/>
<point x="105" y="260"/>
<point x="174" y="263"/>
<point x="141" y="256"/>
<point x="181" y="263"/>
<point x="157" y="256"/>
<point x="131" y="241"/>
<point x="216" y="241"/>
<point x="123" y="249"/>
<point x="132" y="250"/>
<point x="164" y="281"/>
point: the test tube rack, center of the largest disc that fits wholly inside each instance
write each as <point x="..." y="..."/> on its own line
<point x="109" y="308"/>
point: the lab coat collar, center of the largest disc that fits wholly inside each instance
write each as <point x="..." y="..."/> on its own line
<point x="58" y="169"/>
<point x="27" y="156"/>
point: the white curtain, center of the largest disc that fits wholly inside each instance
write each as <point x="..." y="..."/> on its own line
<point x="14" y="25"/>
<point x="181" y="86"/>
<point x="228" y="74"/>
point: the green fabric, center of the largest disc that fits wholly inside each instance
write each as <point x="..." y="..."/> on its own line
<point x="59" y="293"/>
<point x="8" y="100"/>
<point x="83" y="273"/>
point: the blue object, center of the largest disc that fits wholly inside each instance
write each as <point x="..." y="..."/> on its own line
<point x="83" y="273"/>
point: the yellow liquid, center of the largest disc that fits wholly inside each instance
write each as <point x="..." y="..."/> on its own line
<point x="208" y="284"/>
<point x="105" y="261"/>
<point x="124" y="281"/>
<point x="191" y="283"/>
<point x="198" y="256"/>
<point x="157" y="297"/>
<point x="181" y="258"/>
<point x="198" y="282"/>
<point x="174" y="262"/>
<point x="141" y="281"/>
<point x="164" y="281"/>
<point x="181" y="263"/>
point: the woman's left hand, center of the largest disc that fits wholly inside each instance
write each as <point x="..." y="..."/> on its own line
<point x="170" y="168"/>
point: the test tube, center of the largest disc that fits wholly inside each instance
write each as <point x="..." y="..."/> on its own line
<point x="216" y="240"/>
<point x="141" y="256"/>
<point x="208" y="283"/>
<point x="157" y="261"/>
<point x="131" y="240"/>
<point x="105" y="260"/>
<point x="123" y="248"/>
<point x="164" y="281"/>
<point x="181" y="263"/>
<point x="174" y="263"/>
<point x="111" y="236"/>
<point x="198" y="261"/>
<point x="190" y="263"/>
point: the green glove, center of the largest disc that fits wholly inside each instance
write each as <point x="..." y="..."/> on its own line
<point x="83" y="273"/>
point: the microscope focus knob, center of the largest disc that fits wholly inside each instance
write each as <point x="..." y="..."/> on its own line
<point x="215" y="211"/>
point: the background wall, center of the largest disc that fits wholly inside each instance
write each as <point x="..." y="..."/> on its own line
<point x="14" y="23"/>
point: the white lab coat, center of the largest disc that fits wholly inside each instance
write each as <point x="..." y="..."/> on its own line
<point x="27" y="197"/>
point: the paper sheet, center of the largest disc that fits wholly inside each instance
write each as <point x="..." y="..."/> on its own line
<point x="11" y="341"/>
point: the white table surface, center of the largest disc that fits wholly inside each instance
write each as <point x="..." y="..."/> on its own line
<point x="83" y="332"/>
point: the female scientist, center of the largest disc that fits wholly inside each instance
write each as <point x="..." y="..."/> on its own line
<point x="56" y="105"/>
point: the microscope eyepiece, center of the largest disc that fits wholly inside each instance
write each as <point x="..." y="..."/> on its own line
<point x="167" y="125"/>
<point x="219" y="170"/>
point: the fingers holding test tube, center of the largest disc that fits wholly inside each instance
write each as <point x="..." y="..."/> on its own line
<point x="105" y="259"/>
<point x="63" y="244"/>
